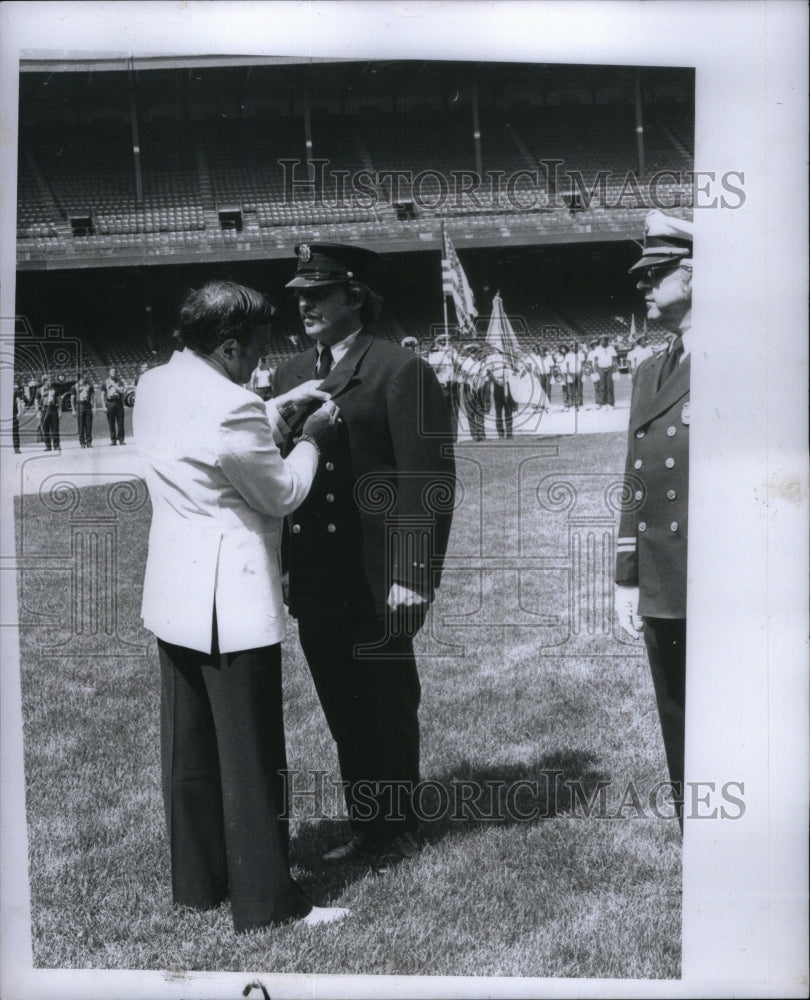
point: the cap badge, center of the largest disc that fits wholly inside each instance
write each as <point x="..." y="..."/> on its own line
<point x="304" y="253"/>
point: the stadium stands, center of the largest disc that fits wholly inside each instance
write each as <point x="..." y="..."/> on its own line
<point x="214" y="182"/>
<point x="206" y="188"/>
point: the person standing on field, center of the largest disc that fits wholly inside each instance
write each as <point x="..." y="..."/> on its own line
<point x="366" y="547"/>
<point x="112" y="394"/>
<point x="212" y="595"/>
<point x="83" y="398"/>
<point x="651" y="550"/>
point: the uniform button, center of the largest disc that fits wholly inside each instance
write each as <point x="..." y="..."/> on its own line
<point x="671" y="432"/>
<point x="673" y="526"/>
<point x="296" y="529"/>
<point x="671" y="494"/>
<point x="640" y="434"/>
<point x="642" y="525"/>
<point x="330" y="497"/>
<point x="639" y="494"/>
<point x="330" y="466"/>
<point x="670" y="463"/>
<point x="637" y="464"/>
<point x="331" y="528"/>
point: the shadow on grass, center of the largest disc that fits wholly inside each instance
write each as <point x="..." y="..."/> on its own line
<point x="461" y="801"/>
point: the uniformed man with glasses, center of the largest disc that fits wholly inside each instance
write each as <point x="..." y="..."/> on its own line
<point x="652" y="543"/>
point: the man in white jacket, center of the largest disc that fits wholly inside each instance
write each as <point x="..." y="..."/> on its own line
<point x="212" y="595"/>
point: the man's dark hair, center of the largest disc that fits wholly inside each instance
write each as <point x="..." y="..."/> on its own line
<point x="220" y="311"/>
<point x="372" y="302"/>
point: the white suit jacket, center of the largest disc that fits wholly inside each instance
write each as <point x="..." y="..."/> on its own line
<point x="219" y="490"/>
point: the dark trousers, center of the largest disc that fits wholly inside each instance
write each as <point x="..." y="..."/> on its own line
<point x="484" y="397"/>
<point x="84" y="417"/>
<point x="473" y="406"/>
<point x="604" y="388"/>
<point x="50" y="428"/>
<point x="115" y="418"/>
<point x="15" y="428"/>
<point x="451" y="398"/>
<point x="222" y="746"/>
<point x="665" y="639"/>
<point x="504" y="405"/>
<point x="545" y="385"/>
<point x="371" y="705"/>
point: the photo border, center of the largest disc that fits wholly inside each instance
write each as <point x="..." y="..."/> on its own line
<point x="745" y="882"/>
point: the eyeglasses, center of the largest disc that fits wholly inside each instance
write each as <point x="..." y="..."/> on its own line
<point x="656" y="273"/>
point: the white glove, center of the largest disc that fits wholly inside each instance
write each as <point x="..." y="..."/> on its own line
<point x="400" y="596"/>
<point x="626" y="607"/>
<point x="409" y="605"/>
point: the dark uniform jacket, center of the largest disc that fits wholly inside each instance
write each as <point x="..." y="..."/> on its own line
<point x="380" y="508"/>
<point x="651" y="548"/>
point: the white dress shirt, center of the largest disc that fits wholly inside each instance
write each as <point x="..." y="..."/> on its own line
<point x="339" y="349"/>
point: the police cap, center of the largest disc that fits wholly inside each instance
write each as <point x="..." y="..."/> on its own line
<point x="331" y="263"/>
<point x="667" y="240"/>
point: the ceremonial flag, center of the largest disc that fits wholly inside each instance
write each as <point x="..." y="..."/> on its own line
<point x="500" y="334"/>
<point x="455" y="284"/>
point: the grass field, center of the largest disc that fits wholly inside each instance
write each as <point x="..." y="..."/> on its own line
<point x="521" y="677"/>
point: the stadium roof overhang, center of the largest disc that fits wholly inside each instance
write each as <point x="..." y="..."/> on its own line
<point x="51" y="61"/>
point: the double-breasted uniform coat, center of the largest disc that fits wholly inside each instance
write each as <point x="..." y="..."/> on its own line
<point x="379" y="513"/>
<point x="652" y="542"/>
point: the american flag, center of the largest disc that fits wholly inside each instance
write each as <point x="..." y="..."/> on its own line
<point x="454" y="283"/>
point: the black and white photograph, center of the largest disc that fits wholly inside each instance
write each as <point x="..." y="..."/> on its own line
<point x="355" y="494"/>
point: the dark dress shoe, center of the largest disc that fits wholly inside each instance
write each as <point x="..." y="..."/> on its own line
<point x="394" y="851"/>
<point x="356" y="845"/>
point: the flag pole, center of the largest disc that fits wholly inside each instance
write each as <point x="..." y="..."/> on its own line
<point x="444" y="293"/>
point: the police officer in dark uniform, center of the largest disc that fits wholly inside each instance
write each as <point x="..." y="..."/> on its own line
<point x="365" y="548"/>
<point x="83" y="397"/>
<point x="652" y="543"/>
<point x="48" y="408"/>
<point x="112" y="392"/>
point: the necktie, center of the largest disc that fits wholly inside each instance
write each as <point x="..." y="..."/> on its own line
<point x="324" y="365"/>
<point x="671" y="361"/>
